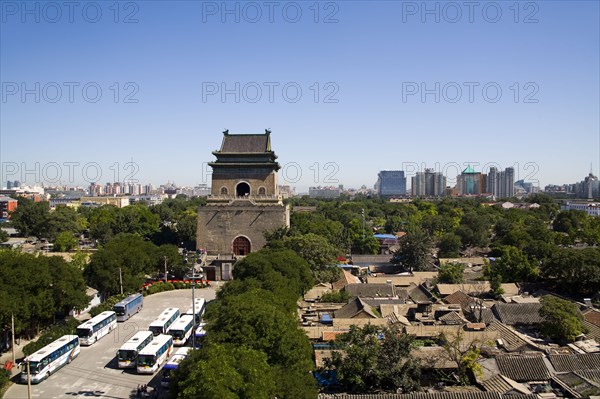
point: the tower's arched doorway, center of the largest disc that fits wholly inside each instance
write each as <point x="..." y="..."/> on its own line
<point x="241" y="246"/>
<point x="242" y="189"/>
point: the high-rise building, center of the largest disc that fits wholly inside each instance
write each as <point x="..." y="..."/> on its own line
<point x="428" y="183"/>
<point x="469" y="182"/>
<point x="501" y="184"/>
<point x="391" y="183"/>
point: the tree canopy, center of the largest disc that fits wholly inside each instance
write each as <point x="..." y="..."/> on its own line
<point x="562" y="320"/>
<point x="372" y="358"/>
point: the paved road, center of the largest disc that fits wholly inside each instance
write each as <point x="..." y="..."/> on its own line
<point x="94" y="372"/>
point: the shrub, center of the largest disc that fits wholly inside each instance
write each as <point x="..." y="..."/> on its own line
<point x="4" y="379"/>
<point x="335" y="297"/>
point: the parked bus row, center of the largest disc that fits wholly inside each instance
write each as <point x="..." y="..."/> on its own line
<point x="146" y="350"/>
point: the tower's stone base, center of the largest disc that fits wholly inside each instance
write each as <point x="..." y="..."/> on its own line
<point x="220" y="223"/>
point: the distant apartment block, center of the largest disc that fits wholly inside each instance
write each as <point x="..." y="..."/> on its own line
<point x="391" y="183"/>
<point x="7" y="205"/>
<point x="588" y="188"/>
<point x="324" y="192"/>
<point x="501" y="184"/>
<point x="119" y="202"/>
<point x="592" y="209"/>
<point x="428" y="184"/>
<point x="150" y="200"/>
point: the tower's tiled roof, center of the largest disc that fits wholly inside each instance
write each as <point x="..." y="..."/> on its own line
<point x="246" y="143"/>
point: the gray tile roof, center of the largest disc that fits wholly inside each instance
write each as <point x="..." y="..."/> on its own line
<point x="523" y="368"/>
<point x="245" y="143"/>
<point x="511" y="341"/>
<point x="592" y="375"/>
<point x="518" y="313"/>
<point x="575" y="362"/>
<point x="497" y="383"/>
<point x="353" y="308"/>
<point x="459" y="298"/>
<point x="370" y="290"/>
<point x="578" y="386"/>
<point x="418" y="293"/>
<point x="452" y="318"/>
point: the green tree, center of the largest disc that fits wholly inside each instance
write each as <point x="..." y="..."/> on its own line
<point x="135" y="258"/>
<point x="451" y="273"/>
<point x="253" y="319"/>
<point x="415" y="250"/>
<point x="514" y="266"/>
<point x="474" y="229"/>
<point x="562" y="320"/>
<point x="31" y="218"/>
<point x="576" y="271"/>
<point x="317" y="251"/>
<point x="275" y="267"/>
<point x="373" y="358"/>
<point x="65" y="242"/>
<point x="464" y="353"/>
<point x="449" y="246"/>
<point x="224" y="371"/>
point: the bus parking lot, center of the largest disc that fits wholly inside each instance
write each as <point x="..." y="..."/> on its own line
<point x="94" y="373"/>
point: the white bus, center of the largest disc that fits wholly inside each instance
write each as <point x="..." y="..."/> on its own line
<point x="97" y="327"/>
<point x="50" y="358"/>
<point x="182" y="329"/>
<point x="198" y="307"/>
<point x="129" y="306"/>
<point x="200" y="333"/>
<point x="155" y="354"/>
<point x="127" y="354"/>
<point x="172" y="364"/>
<point x="163" y="322"/>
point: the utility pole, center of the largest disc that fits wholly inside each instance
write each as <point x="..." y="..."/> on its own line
<point x="121" y="280"/>
<point x="165" y="257"/>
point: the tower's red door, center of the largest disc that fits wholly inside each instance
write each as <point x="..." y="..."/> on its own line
<point x="241" y="246"/>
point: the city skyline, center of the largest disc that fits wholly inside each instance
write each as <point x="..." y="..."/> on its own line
<point x="412" y="86"/>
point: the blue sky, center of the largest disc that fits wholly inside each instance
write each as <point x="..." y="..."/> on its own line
<point x="348" y="88"/>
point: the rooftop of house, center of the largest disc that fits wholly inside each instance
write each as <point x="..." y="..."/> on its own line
<point x="476" y="287"/>
<point x="370" y="290"/>
<point x="523" y="368"/>
<point x="459" y="298"/>
<point x="354" y="308"/>
<point x="518" y="313"/>
<point x="403" y="280"/>
<point x="575" y="362"/>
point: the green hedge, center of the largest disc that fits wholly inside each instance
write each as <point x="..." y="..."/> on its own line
<point x="51" y="335"/>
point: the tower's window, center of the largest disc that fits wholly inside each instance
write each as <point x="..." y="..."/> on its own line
<point x="262" y="191"/>
<point x="224" y="191"/>
<point x="242" y="189"/>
